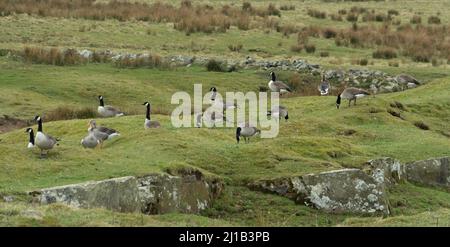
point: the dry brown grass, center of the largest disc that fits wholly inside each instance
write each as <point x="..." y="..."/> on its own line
<point x="317" y="13"/>
<point x="53" y="56"/>
<point x="150" y="61"/>
<point x="66" y="113"/>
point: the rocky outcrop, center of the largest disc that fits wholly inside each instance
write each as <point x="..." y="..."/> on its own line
<point x="431" y="172"/>
<point x="340" y="191"/>
<point x="151" y="194"/>
<point x="386" y="171"/>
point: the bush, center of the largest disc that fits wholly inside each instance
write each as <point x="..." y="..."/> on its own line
<point x="52" y="56"/>
<point x="363" y="62"/>
<point x="416" y="19"/>
<point x="384" y="53"/>
<point x="393" y="64"/>
<point x="329" y="33"/>
<point x="150" y="61"/>
<point x="235" y="48"/>
<point x="336" y="17"/>
<point x="324" y="54"/>
<point x="66" y="113"/>
<point x="421" y="125"/>
<point x="434" y="20"/>
<point x="213" y="65"/>
<point x="352" y="18"/>
<point x="310" y="48"/>
<point x="392" y="12"/>
<point x="287" y="7"/>
<point x="297" y="48"/>
<point x="317" y="14"/>
<point x="342" y="12"/>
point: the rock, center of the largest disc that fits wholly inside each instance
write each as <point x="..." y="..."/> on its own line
<point x="386" y="171"/>
<point x="411" y="85"/>
<point x="86" y="54"/>
<point x="431" y="172"/>
<point x="340" y="191"/>
<point x="8" y="198"/>
<point x="150" y="194"/>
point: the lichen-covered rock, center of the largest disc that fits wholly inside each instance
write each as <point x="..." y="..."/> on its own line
<point x="340" y="191"/>
<point x="431" y="172"/>
<point x="151" y="194"/>
<point x="386" y="171"/>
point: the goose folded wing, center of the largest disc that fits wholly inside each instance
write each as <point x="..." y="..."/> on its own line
<point x="112" y="109"/>
<point x="282" y="85"/>
<point x="106" y="130"/>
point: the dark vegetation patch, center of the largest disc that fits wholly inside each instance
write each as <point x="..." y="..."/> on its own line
<point x="375" y="110"/>
<point x="317" y="13"/>
<point x="395" y="113"/>
<point x="384" y="53"/>
<point x="347" y="132"/>
<point x="235" y="48"/>
<point x="421" y="125"/>
<point x="399" y="105"/>
<point x="66" y="113"/>
<point x="214" y="65"/>
<point x="8" y="123"/>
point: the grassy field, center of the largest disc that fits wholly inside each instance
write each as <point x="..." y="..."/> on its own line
<point x="313" y="140"/>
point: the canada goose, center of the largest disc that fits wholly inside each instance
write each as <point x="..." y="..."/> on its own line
<point x="90" y="141"/>
<point x="42" y="140"/>
<point x="107" y="110"/>
<point x="102" y="133"/>
<point x="278" y="86"/>
<point x="324" y="86"/>
<point x="279" y="112"/>
<point x="246" y="133"/>
<point x="213" y="93"/>
<point x="149" y="123"/>
<point x="31" y="141"/>
<point x="212" y="118"/>
<point x="406" y="80"/>
<point x="225" y="105"/>
<point x="351" y="93"/>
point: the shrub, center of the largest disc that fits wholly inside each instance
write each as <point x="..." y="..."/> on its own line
<point x="52" y="56"/>
<point x="235" y="48"/>
<point x="434" y="20"/>
<point x="310" y="48"/>
<point x="393" y="64"/>
<point x="287" y="7"/>
<point x="297" y="48"/>
<point x="150" y="61"/>
<point x="384" y="53"/>
<point x="363" y="62"/>
<point x="392" y="12"/>
<point x="336" y="17"/>
<point x="352" y="18"/>
<point x="213" y="65"/>
<point x="416" y="19"/>
<point x="324" y="54"/>
<point x="317" y="14"/>
<point x="66" y="113"/>
<point x="342" y="11"/>
<point x="329" y="33"/>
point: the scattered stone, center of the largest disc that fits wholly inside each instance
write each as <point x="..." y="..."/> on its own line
<point x="8" y="198"/>
<point x="386" y="171"/>
<point x="431" y="172"/>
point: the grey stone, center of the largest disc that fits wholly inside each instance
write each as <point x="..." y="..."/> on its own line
<point x="431" y="172"/>
<point x="151" y="194"/>
<point x="386" y="171"/>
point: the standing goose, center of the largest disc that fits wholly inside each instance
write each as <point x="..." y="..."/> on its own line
<point x="102" y="133"/>
<point x="324" y="86"/>
<point x="149" y="123"/>
<point x="351" y="93"/>
<point x="213" y="93"/>
<point x="246" y="132"/>
<point x="90" y="141"/>
<point x="31" y="141"/>
<point x="278" y="86"/>
<point x="107" y="110"/>
<point x="225" y="105"/>
<point x="44" y="141"/>
<point x="279" y="112"/>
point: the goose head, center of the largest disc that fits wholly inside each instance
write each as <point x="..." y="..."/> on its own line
<point x="92" y="124"/>
<point x="272" y="76"/>
<point x="37" y="119"/>
<point x="213" y="91"/>
<point x="29" y="130"/>
<point x="146" y="103"/>
<point x="100" y="98"/>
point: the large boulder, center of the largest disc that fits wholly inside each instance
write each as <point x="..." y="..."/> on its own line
<point x="386" y="171"/>
<point x="339" y="191"/>
<point x="431" y="172"/>
<point x="151" y="194"/>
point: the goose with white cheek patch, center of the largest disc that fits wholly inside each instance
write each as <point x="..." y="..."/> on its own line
<point x="102" y="133"/>
<point x="31" y="140"/>
<point x="211" y="118"/>
<point x="148" y="123"/>
<point x="279" y="112"/>
<point x="278" y="86"/>
<point x="246" y="132"/>
<point x="225" y="105"/>
<point x="107" y="110"/>
<point x="351" y="93"/>
<point x="42" y="140"/>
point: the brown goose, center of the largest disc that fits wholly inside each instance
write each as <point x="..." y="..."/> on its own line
<point x="351" y="93"/>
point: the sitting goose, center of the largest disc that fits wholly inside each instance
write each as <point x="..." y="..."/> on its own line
<point x="31" y="141"/>
<point x="279" y="112"/>
<point x="44" y="141"/>
<point x="351" y="93"/>
<point x="107" y="110"/>
<point x="408" y="81"/>
<point x="225" y="105"/>
<point x="246" y="132"/>
<point x="324" y="86"/>
<point x="90" y="141"/>
<point x="102" y="133"/>
<point x="212" y="118"/>
<point x="278" y="86"/>
<point x="149" y="123"/>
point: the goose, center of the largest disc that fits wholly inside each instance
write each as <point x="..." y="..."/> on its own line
<point x="225" y="105"/>
<point x="90" y="141"/>
<point x="149" y="123"/>
<point x="31" y="141"/>
<point x="278" y="86"/>
<point x="102" y="133"/>
<point x="213" y="93"/>
<point x="407" y="80"/>
<point x="351" y="93"/>
<point x="246" y="132"/>
<point x="212" y="118"/>
<point x="279" y="112"/>
<point x="107" y="110"/>
<point x="42" y="140"/>
<point x="324" y="86"/>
